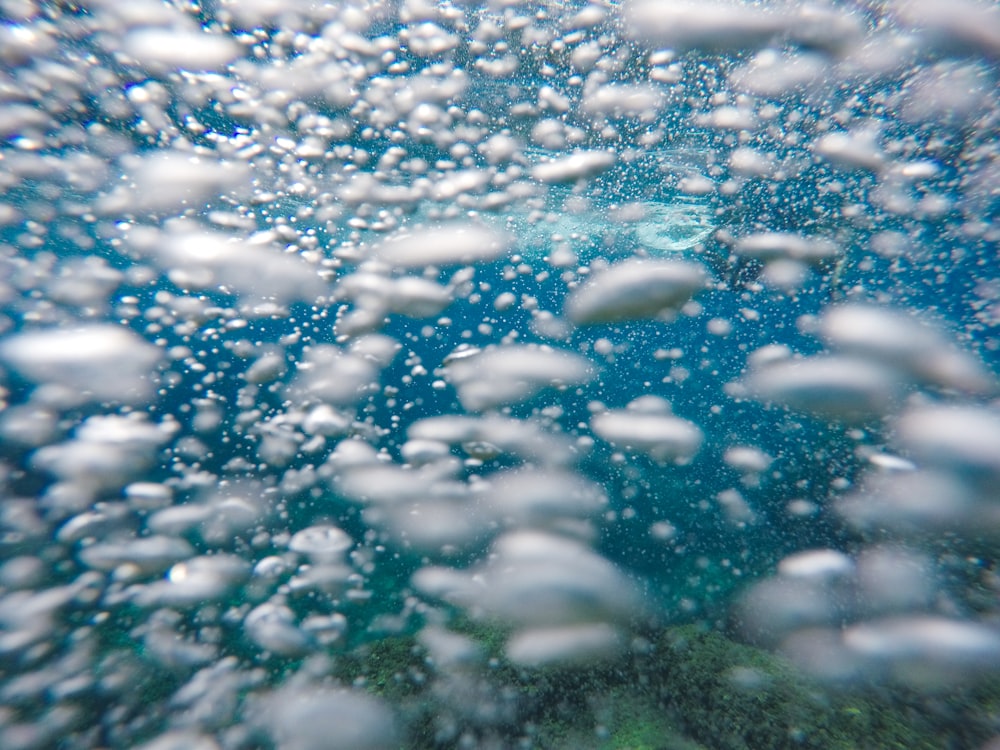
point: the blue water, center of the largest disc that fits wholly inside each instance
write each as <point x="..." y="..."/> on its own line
<point x="937" y="265"/>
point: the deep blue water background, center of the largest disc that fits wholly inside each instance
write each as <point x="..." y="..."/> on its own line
<point x="938" y="275"/>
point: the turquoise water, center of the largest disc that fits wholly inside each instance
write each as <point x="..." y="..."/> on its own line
<point x="404" y="374"/>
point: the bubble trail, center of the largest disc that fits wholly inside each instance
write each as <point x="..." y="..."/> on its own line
<point x="395" y="373"/>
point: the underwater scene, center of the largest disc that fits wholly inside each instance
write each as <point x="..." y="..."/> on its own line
<point x="501" y="374"/>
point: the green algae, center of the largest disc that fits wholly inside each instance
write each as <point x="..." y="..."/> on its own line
<point x="623" y="721"/>
<point x="730" y="695"/>
<point x="688" y="688"/>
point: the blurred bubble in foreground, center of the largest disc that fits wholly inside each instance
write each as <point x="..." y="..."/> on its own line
<point x="394" y="373"/>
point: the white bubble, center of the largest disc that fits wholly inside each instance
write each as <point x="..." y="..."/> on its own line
<point x="169" y="181"/>
<point x="178" y="519"/>
<point x="747" y="458"/>
<point x="333" y="376"/>
<point x="180" y="739"/>
<point x="963" y="437"/>
<point x="576" y="166"/>
<point x="266" y="368"/>
<point x="163" y="49"/>
<point x="513" y="373"/>
<point x="820" y="564"/>
<point x="776" y="607"/>
<point x="660" y="436"/>
<point x="775" y="74"/>
<point x="900" y="340"/>
<point x="272" y="627"/>
<point x="448" y="650"/>
<point x="199" y="259"/>
<point x="786" y="246"/>
<point x="894" y="579"/>
<point x="195" y="581"/>
<point x="921" y="504"/>
<point x="321" y="543"/>
<point x="926" y="652"/>
<point x="98" y="362"/>
<point x="538" y="579"/>
<point x="106" y="452"/>
<point x="680" y="24"/>
<point x="577" y="644"/>
<point x="834" y="387"/>
<point x="532" y="497"/>
<point x="966" y="25"/>
<point x="150" y="554"/>
<point x="635" y="289"/>
<point x="444" y="245"/>
<point x="851" y="149"/>
<point x="325" y="718"/>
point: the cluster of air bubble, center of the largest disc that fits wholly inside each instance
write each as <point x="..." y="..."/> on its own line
<point x="325" y="322"/>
